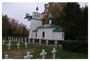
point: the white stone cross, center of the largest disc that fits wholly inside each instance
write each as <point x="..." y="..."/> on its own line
<point x="21" y="39"/>
<point x="18" y="45"/>
<point x="9" y="38"/>
<point x="54" y="53"/>
<point x="33" y="41"/>
<point x="28" y="56"/>
<point x="10" y="41"/>
<point x="18" y="39"/>
<point x="28" y="40"/>
<point x="43" y="54"/>
<point x="9" y="44"/>
<point x="3" y="41"/>
<point x="12" y="38"/>
<point x="39" y="41"/>
<point x="59" y="45"/>
<point x="25" y="39"/>
<point x="25" y="57"/>
<point x="47" y="42"/>
<point x="6" y="56"/>
<point x="25" y="44"/>
<point x="56" y="43"/>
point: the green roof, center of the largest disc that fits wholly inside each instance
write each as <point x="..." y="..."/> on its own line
<point x="58" y="30"/>
<point x="35" y="30"/>
<point x="49" y="26"/>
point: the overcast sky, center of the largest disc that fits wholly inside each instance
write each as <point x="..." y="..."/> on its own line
<point x="19" y="9"/>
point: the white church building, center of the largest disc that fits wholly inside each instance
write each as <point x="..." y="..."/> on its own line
<point x="48" y="31"/>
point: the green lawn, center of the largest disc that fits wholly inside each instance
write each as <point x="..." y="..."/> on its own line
<point x="37" y="49"/>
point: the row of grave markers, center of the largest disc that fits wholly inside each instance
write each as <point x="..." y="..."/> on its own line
<point x="33" y="41"/>
<point x="18" y="44"/>
<point x="43" y="53"/>
<point x="18" y="39"/>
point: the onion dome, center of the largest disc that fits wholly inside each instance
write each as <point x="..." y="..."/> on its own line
<point x="50" y="17"/>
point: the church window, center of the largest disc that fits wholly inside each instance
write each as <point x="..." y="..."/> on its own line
<point x="34" y="15"/>
<point x="36" y="34"/>
<point x="37" y="15"/>
<point x="43" y="34"/>
<point x="62" y="35"/>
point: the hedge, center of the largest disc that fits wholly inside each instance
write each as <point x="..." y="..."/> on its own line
<point x="75" y="46"/>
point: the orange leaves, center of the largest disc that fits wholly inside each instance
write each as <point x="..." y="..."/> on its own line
<point x="54" y="8"/>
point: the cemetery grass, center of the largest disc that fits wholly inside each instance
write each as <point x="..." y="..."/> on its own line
<point x="35" y="50"/>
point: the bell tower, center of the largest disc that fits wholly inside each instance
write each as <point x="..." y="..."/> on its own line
<point x="35" y="21"/>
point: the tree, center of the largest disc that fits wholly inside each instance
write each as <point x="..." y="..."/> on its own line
<point x="5" y="25"/>
<point x="11" y="27"/>
<point x="71" y="19"/>
<point x="83" y="23"/>
<point x="56" y="9"/>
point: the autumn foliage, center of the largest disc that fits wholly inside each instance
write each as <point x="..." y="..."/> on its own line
<point x="11" y="27"/>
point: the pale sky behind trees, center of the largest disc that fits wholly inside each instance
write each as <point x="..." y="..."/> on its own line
<point x="18" y="10"/>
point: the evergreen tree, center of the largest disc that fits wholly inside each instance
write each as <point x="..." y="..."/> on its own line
<point x="71" y="18"/>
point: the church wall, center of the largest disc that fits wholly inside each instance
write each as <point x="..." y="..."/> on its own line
<point x="34" y="35"/>
<point x="48" y="34"/>
<point x="58" y="36"/>
<point x="33" y="25"/>
<point x="47" y="31"/>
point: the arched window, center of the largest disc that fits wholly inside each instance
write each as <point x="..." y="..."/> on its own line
<point x="62" y="35"/>
<point x="36" y="34"/>
<point x="37" y="15"/>
<point x="43" y="34"/>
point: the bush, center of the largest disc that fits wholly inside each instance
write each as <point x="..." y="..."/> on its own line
<point x="81" y="38"/>
<point x="75" y="46"/>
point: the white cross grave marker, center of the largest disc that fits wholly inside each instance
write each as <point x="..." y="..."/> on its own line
<point x="18" y="45"/>
<point x="33" y="41"/>
<point x="59" y="45"/>
<point x="10" y="41"/>
<point x="3" y="41"/>
<point x="21" y="39"/>
<point x="39" y="41"/>
<point x="56" y="43"/>
<point x="47" y="42"/>
<point x="25" y="39"/>
<point x="43" y="54"/>
<point x="28" y="56"/>
<point x="28" y="40"/>
<point x="9" y="44"/>
<point x="18" y="39"/>
<point x="25" y="44"/>
<point x="25" y="57"/>
<point x="6" y="56"/>
<point x="54" y="53"/>
<point x="12" y="38"/>
<point x="9" y="38"/>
